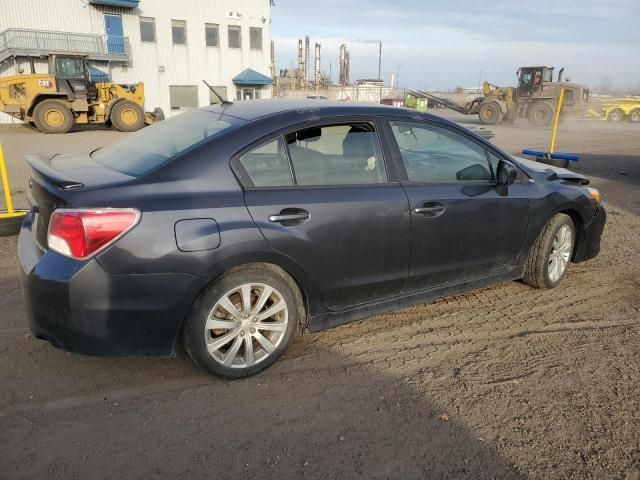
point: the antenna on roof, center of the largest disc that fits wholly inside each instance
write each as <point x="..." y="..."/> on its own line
<point x="222" y="101"/>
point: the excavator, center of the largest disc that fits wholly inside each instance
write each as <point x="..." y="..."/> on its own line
<point x="535" y="98"/>
<point x="67" y="95"/>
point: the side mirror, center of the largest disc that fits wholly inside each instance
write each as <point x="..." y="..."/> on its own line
<point x="507" y="174"/>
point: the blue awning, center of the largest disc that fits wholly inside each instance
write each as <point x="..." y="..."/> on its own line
<point x="251" y="77"/>
<point x="117" y="3"/>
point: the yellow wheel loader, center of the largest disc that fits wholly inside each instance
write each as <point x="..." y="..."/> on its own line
<point x="535" y="98"/>
<point x="67" y="96"/>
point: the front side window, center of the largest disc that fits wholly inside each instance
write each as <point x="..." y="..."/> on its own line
<point x="234" y="36"/>
<point x="267" y="165"/>
<point x="255" y="38"/>
<point x="179" y="32"/>
<point x="337" y="155"/>
<point x="147" y="29"/>
<point x="437" y="154"/>
<point x="211" y="34"/>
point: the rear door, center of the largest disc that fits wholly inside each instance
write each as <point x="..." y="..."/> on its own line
<point x="463" y="228"/>
<point x="324" y="196"/>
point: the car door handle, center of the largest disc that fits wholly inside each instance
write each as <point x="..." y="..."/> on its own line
<point x="289" y="217"/>
<point x="430" y="210"/>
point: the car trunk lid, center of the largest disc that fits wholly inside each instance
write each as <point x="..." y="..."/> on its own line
<point x="55" y="179"/>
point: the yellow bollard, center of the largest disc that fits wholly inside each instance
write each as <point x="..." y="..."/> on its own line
<point x="10" y="213"/>
<point x="555" y="122"/>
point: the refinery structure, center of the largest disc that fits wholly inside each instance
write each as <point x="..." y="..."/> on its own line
<point x="309" y="79"/>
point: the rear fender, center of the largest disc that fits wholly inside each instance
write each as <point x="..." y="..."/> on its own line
<point x="39" y="98"/>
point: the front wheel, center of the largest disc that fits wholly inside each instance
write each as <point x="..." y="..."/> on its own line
<point x="127" y="116"/>
<point x="550" y="255"/>
<point x="490" y="113"/>
<point x="243" y="322"/>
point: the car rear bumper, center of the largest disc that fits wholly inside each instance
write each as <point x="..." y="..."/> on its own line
<point x="589" y="240"/>
<point x="78" y="306"/>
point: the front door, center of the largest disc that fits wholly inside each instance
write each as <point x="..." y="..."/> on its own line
<point x="463" y="228"/>
<point x="115" y="33"/>
<point x="322" y="196"/>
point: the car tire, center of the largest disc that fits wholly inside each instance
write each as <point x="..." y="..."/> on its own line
<point x="52" y="116"/>
<point x="540" y="114"/>
<point x="127" y="116"/>
<point x="552" y="249"/>
<point x="243" y="342"/>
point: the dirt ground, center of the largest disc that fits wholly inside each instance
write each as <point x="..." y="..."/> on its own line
<point x="505" y="382"/>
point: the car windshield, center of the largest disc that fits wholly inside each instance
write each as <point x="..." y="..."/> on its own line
<point x="153" y="146"/>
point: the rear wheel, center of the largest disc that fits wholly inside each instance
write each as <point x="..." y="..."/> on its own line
<point x="490" y="113"/>
<point x="243" y="322"/>
<point x="127" y="116"/>
<point x="634" y="116"/>
<point x="52" y="116"/>
<point x="540" y="114"/>
<point x="550" y="255"/>
<point x="616" y="115"/>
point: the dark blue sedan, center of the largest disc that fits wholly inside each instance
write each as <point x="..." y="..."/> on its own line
<point x="226" y="230"/>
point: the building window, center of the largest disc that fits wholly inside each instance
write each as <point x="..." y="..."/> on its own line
<point x="247" y="93"/>
<point x="179" y="32"/>
<point x="255" y="38"/>
<point x="234" y="37"/>
<point x="211" y="34"/>
<point x="183" y="96"/>
<point x="222" y="91"/>
<point x="148" y="29"/>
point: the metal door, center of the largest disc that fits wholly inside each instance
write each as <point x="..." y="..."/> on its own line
<point x="113" y="29"/>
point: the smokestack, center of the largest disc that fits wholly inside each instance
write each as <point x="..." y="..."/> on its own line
<point x="317" y="71"/>
<point x="300" y="62"/>
<point x="347" y="69"/>
<point x="307" y="54"/>
<point x="343" y="51"/>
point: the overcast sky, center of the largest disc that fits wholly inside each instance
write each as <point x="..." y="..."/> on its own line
<point x="444" y="43"/>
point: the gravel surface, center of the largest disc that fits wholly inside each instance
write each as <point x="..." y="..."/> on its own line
<point x="504" y="382"/>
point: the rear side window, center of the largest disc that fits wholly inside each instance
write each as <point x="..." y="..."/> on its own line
<point x="336" y="155"/>
<point x="436" y="154"/>
<point x="267" y="165"/>
<point x="140" y="152"/>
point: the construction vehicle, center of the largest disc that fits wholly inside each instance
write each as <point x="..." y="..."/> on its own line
<point x="67" y="96"/>
<point x="535" y="98"/>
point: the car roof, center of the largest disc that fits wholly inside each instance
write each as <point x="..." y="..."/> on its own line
<point x="255" y="109"/>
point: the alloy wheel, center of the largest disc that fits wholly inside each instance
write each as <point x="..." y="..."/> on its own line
<point x="560" y="253"/>
<point x="246" y="325"/>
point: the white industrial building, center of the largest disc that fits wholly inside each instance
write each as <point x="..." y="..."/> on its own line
<point x="171" y="46"/>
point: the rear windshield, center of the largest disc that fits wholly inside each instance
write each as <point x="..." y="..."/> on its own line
<point x="140" y="152"/>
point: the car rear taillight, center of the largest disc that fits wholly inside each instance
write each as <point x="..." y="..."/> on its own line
<point x="79" y="233"/>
